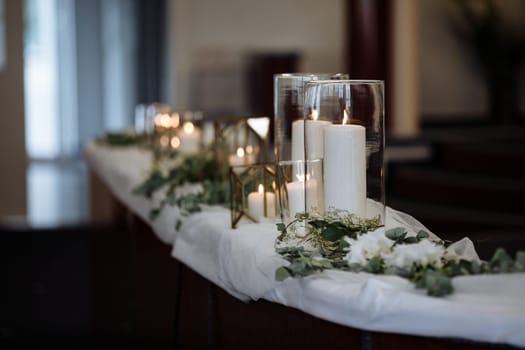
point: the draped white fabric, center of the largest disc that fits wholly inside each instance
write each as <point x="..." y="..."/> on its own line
<point x="486" y="308"/>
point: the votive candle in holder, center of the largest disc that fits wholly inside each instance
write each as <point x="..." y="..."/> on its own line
<point x="261" y="204"/>
<point x="301" y="187"/>
<point x="190" y="139"/>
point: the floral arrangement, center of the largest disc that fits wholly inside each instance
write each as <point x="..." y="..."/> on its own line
<point x="339" y="240"/>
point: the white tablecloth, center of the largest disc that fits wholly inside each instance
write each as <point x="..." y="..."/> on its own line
<point x="485" y="308"/>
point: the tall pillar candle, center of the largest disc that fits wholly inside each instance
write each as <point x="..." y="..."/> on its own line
<point x="314" y="137"/>
<point x="345" y="168"/>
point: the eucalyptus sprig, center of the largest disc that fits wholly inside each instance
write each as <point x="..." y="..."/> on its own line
<point x="195" y="169"/>
<point x="399" y="236"/>
<point x="326" y="232"/>
<point x="123" y="139"/>
<point x="329" y="234"/>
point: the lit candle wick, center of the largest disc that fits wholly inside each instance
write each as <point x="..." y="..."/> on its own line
<point x="240" y="152"/>
<point x="188" y="127"/>
<point x="175" y="142"/>
<point x="163" y="120"/>
<point x="260" y="189"/>
<point x="345" y="117"/>
<point x="315" y="114"/>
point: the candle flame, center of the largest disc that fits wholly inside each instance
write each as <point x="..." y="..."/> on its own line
<point x="163" y="120"/>
<point x="260" y="189"/>
<point x="175" y="142"/>
<point x="188" y="127"/>
<point x="240" y="152"/>
<point x="315" y="114"/>
<point x="345" y="117"/>
<point x="249" y="149"/>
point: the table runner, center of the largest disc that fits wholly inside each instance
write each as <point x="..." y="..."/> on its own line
<point x="486" y="308"/>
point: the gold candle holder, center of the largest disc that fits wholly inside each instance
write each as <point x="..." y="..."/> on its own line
<point x="241" y="141"/>
<point x="252" y="193"/>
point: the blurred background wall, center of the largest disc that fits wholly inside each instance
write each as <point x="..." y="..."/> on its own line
<point x="106" y="56"/>
<point x="207" y="35"/>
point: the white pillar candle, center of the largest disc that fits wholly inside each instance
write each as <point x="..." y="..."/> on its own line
<point x="314" y="137"/>
<point x="297" y="195"/>
<point x="345" y="168"/>
<point x="256" y="204"/>
<point x="190" y="139"/>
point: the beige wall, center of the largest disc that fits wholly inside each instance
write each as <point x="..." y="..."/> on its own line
<point x="312" y="27"/>
<point x="12" y="147"/>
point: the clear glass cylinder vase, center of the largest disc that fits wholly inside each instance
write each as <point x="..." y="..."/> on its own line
<point x="289" y="125"/>
<point x="344" y="127"/>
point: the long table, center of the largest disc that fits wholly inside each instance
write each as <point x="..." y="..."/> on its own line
<point x="223" y="293"/>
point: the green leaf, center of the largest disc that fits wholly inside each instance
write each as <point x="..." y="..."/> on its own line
<point x="501" y="261"/>
<point x="410" y="240"/>
<point x="475" y="267"/>
<point x="317" y="223"/>
<point x="281" y="227"/>
<point x="123" y="139"/>
<point x="171" y="198"/>
<point x="437" y="284"/>
<point x="282" y="273"/>
<point x="153" y="183"/>
<point x="343" y="244"/>
<point x="375" y="265"/>
<point x="422" y="234"/>
<point x="333" y="232"/>
<point x="297" y="266"/>
<point x="396" y="234"/>
<point x="321" y="263"/>
<point x="290" y="252"/>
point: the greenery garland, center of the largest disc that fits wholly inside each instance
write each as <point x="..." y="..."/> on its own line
<point x="325" y="246"/>
<point x="199" y="168"/>
<point x="195" y="169"/>
<point x="311" y="243"/>
<point x="123" y="139"/>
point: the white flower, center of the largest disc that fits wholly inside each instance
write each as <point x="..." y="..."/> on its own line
<point x="367" y="246"/>
<point x="424" y="252"/>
